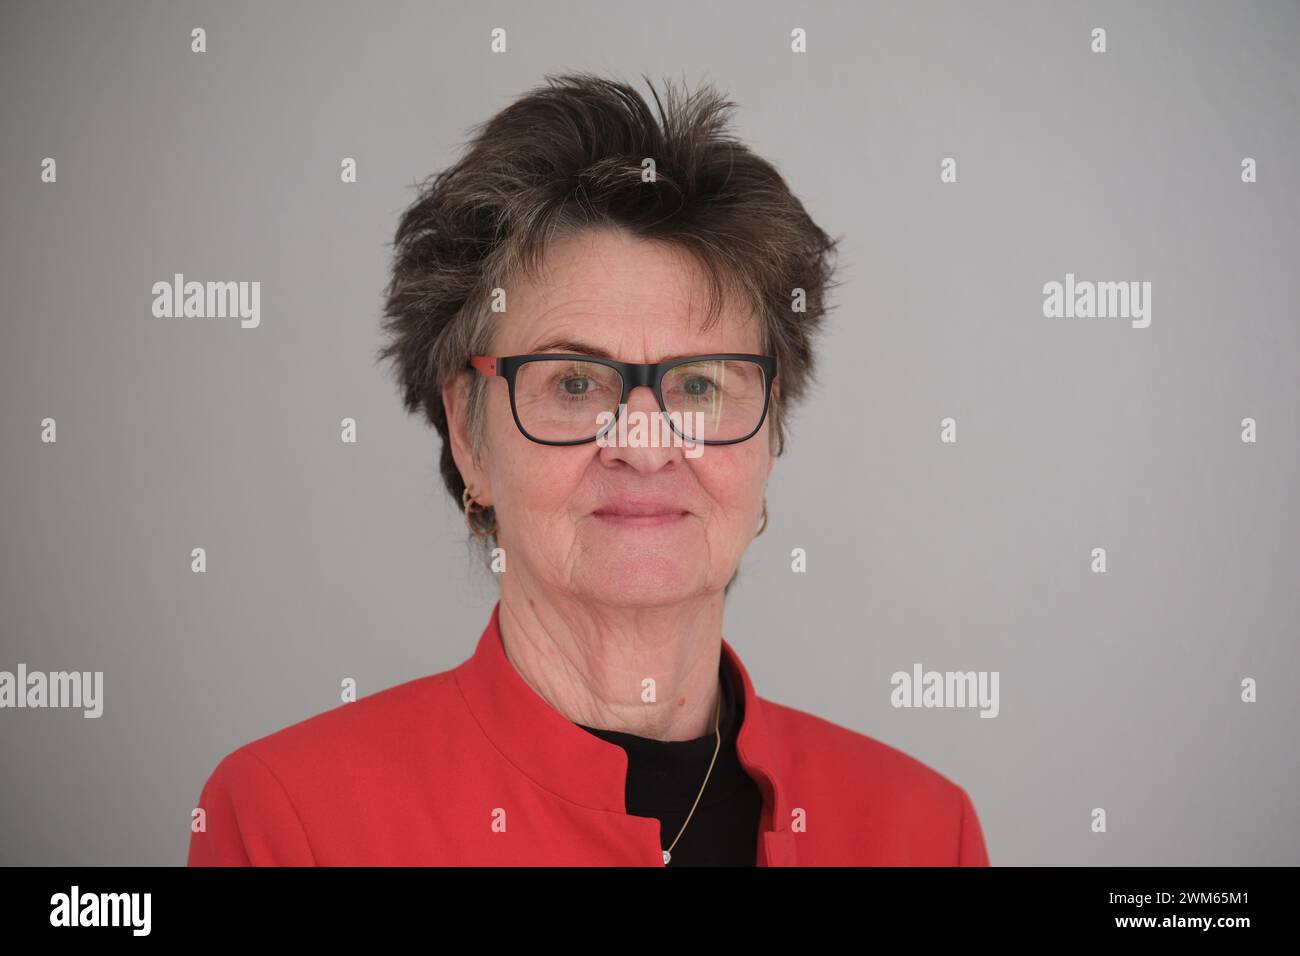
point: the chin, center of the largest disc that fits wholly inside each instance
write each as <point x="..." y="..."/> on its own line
<point x="641" y="580"/>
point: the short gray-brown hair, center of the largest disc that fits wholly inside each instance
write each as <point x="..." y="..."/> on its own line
<point x="569" y="155"/>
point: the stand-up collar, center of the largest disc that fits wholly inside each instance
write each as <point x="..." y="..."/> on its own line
<point x="580" y="767"/>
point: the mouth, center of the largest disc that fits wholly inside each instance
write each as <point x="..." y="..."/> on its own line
<point x="640" y="515"/>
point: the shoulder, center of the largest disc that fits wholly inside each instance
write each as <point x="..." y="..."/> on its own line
<point x="263" y="797"/>
<point x="811" y="740"/>
<point x="848" y="772"/>
<point x="372" y="724"/>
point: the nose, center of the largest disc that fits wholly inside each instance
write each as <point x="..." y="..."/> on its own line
<point x="650" y="442"/>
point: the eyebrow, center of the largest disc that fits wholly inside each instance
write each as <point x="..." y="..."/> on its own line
<point x="586" y="348"/>
<point x="570" y="345"/>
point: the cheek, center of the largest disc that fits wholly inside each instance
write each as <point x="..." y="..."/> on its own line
<point x="535" y="483"/>
<point x="734" y="480"/>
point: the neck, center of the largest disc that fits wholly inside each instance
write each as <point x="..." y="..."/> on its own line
<point x="592" y="663"/>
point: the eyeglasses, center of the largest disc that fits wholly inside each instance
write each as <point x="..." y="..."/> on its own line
<point x="570" y="399"/>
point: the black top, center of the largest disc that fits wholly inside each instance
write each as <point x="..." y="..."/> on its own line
<point x="664" y="778"/>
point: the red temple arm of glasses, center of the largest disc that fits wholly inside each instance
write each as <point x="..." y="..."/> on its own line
<point x="484" y="363"/>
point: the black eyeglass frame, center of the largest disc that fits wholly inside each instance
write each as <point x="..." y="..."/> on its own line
<point x="633" y="375"/>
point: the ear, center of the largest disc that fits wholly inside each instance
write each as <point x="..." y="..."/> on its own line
<point x="455" y="402"/>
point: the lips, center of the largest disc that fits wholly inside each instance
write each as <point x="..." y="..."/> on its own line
<point x="634" y="509"/>
<point x="639" y="514"/>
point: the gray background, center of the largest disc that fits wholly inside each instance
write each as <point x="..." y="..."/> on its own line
<point x="329" y="560"/>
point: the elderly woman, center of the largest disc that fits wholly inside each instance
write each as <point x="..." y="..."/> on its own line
<point x="586" y="271"/>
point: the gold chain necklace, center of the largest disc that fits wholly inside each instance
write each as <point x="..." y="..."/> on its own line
<point x="717" y="723"/>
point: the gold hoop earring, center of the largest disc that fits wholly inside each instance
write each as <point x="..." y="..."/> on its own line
<point x="764" y="525"/>
<point x="473" y="508"/>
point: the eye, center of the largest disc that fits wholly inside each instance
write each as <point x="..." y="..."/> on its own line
<point x="577" y="385"/>
<point x="696" y="385"/>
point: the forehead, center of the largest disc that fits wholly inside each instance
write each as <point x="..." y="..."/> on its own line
<point x="629" y="298"/>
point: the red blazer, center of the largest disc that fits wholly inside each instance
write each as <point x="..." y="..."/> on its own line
<point x="472" y="767"/>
